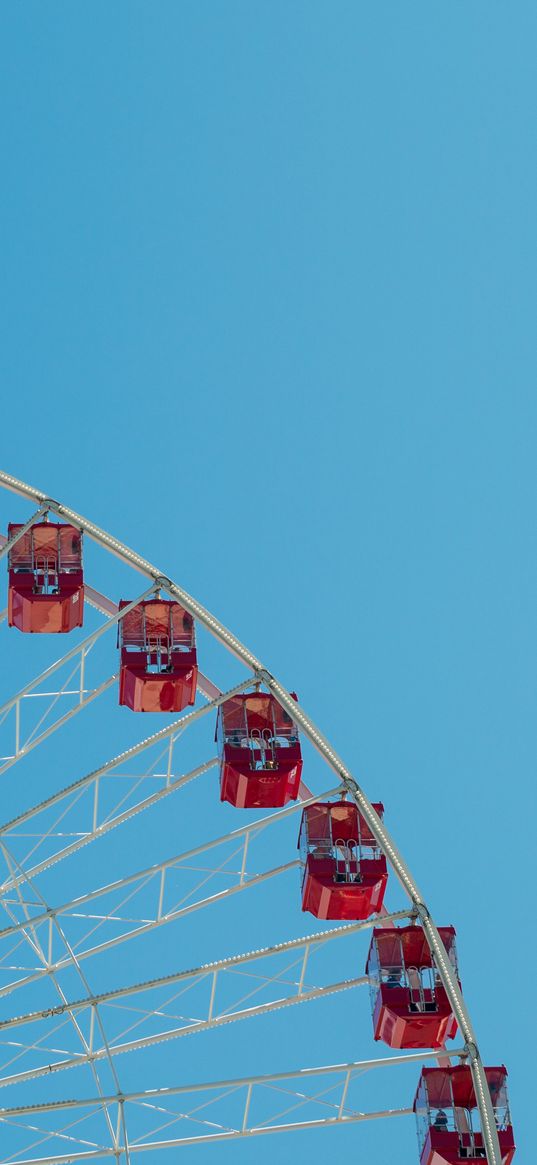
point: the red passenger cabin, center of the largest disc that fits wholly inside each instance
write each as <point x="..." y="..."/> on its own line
<point x="158" y="657"/>
<point x="260" y="756"/>
<point x="449" y="1130"/>
<point x="46" y="583"/>
<point x="345" y="873"/>
<point x="410" y="1006"/>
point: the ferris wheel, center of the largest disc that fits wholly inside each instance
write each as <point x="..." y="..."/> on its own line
<point x="152" y="889"/>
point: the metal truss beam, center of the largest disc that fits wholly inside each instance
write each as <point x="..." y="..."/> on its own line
<point x="352" y="1068"/>
<point x="243" y="836"/>
<point x="136" y="931"/>
<point x="248" y="1087"/>
<point x="155" y="877"/>
<point x="79" y="655"/>
<point x="93" y="1055"/>
<point x="205" y="970"/>
<point x="33" y="940"/>
<point x="93" y="780"/>
<point x="204" y="1138"/>
<point x="293" y="974"/>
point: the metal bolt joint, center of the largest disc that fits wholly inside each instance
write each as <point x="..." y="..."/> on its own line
<point x="349" y="783"/>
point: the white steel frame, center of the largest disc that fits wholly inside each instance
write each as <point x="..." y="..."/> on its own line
<point x="469" y="1051"/>
<point x="154" y="877"/>
<point x="79" y="655"/>
<point x="98" y="825"/>
<point x="248" y="1085"/>
<point x="291" y="975"/>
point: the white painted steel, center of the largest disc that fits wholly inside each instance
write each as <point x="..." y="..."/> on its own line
<point x="302" y="1074"/>
<point x="243" y="835"/>
<point x="206" y="969"/>
<point x="142" y="928"/>
<point x="383" y="837"/>
<point x="7" y="544"/>
<point x="93" y="1055"/>
<point x="248" y="1084"/>
<point x="236" y="1134"/>
<point x="171" y="733"/>
<point x="106" y="1054"/>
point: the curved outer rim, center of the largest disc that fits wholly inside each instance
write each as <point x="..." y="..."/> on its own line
<point x="383" y="837"/>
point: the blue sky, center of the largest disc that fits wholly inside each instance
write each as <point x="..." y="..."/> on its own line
<point x="268" y="298"/>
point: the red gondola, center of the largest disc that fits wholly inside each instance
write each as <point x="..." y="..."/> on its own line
<point x="449" y="1131"/>
<point x="158" y="657"/>
<point x="260" y="756"/>
<point x="345" y="874"/>
<point x="410" y="1006"/>
<point x="46" y="582"/>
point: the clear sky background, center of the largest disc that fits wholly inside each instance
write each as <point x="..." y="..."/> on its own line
<point x="268" y="315"/>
